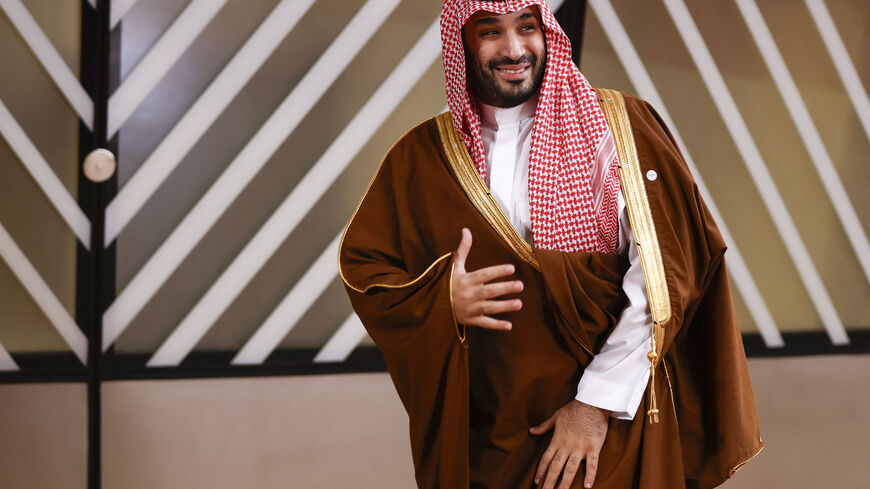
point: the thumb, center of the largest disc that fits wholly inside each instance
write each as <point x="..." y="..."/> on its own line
<point x="463" y="249"/>
<point x="544" y="427"/>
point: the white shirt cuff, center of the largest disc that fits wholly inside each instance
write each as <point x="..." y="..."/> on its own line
<point x="620" y="398"/>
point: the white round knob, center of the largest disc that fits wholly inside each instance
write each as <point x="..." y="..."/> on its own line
<point x="99" y="165"/>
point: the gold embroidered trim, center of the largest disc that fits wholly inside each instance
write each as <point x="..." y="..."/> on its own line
<point x="643" y="228"/>
<point x="419" y="277"/>
<point x="470" y="181"/>
<point x="741" y="464"/>
<point x="639" y="213"/>
<point x="461" y="335"/>
<point x="407" y="284"/>
<point x="671" y="393"/>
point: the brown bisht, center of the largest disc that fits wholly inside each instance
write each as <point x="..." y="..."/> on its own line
<point x="472" y="394"/>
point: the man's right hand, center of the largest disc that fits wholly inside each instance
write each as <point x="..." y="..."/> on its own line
<point x="473" y="293"/>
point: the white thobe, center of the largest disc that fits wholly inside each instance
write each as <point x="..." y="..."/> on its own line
<point x="617" y="376"/>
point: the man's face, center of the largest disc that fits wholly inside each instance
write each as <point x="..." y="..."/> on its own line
<point x="505" y="56"/>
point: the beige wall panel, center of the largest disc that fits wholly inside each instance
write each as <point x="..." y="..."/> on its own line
<point x="717" y="158"/>
<point x="321" y="224"/>
<point x="815" y="422"/>
<point x="786" y="157"/>
<point x="736" y="54"/>
<point x="351" y="430"/>
<point x="43" y="436"/>
<point x="322" y="431"/>
<point x="61" y="23"/>
<point x="35" y="225"/>
<point x="31" y="95"/>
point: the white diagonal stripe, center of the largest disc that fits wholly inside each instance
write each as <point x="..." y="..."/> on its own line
<point x="634" y="66"/>
<point x="755" y="164"/>
<point x="45" y="177"/>
<point x="165" y="52"/>
<point x="202" y="114"/>
<point x="293" y="209"/>
<point x="244" y="167"/>
<point x="43" y="296"/>
<point x="343" y="342"/>
<point x="291" y="309"/>
<point x="555" y="4"/>
<point x="118" y="10"/>
<point x="282" y="319"/>
<point x="336" y="158"/>
<point x="7" y="363"/>
<point x="809" y="134"/>
<point x="200" y="319"/>
<point x="57" y="69"/>
<point x="842" y="62"/>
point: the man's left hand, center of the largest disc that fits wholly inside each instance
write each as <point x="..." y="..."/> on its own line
<point x="580" y="431"/>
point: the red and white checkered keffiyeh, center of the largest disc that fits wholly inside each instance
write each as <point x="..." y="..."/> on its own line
<point x="573" y="180"/>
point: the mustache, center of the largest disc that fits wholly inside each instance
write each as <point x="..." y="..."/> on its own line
<point x="528" y="58"/>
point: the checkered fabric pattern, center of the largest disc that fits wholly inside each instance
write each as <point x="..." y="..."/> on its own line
<point x="573" y="180"/>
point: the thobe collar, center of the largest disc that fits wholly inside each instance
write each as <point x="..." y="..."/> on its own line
<point x="496" y="117"/>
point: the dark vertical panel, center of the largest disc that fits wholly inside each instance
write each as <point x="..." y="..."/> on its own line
<point x="572" y="17"/>
<point x="95" y="267"/>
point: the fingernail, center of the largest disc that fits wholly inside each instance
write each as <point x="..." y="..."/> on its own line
<point x="519" y="286"/>
<point x="537" y="481"/>
<point x="510" y="269"/>
<point x="518" y="304"/>
<point x="588" y="485"/>
<point x="508" y="326"/>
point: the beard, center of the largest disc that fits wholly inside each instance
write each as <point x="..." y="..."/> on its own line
<point x="486" y="85"/>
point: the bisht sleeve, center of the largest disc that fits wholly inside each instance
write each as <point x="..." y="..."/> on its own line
<point x="703" y="350"/>
<point x="401" y="290"/>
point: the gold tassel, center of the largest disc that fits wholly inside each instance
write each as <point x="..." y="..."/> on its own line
<point x="653" y="412"/>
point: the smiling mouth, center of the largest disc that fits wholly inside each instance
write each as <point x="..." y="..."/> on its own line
<point x="512" y="69"/>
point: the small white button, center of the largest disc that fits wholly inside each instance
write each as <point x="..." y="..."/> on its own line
<point x="652" y="175"/>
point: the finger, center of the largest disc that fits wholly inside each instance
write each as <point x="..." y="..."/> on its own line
<point x="487" y="322"/>
<point x="555" y="469"/>
<point x="463" y="249"/>
<point x="498" y="307"/>
<point x="591" y="469"/>
<point x="544" y="427"/>
<point x="487" y="274"/>
<point x="498" y="289"/>
<point x="571" y="467"/>
<point x="544" y="464"/>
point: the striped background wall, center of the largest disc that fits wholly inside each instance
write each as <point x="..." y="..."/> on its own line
<point x="246" y="132"/>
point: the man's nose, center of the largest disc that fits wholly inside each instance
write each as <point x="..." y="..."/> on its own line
<point x="513" y="46"/>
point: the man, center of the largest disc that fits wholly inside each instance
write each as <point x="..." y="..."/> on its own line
<point x="570" y="318"/>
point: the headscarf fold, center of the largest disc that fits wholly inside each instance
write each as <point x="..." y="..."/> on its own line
<point x="573" y="179"/>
